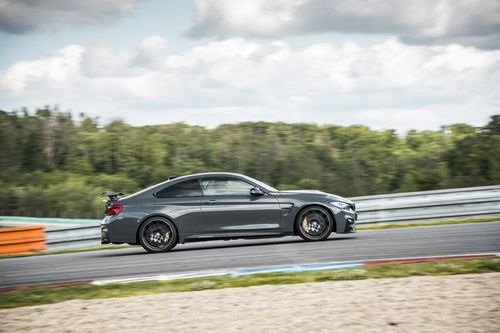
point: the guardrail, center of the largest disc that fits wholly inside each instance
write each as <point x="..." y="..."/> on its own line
<point x="399" y="207"/>
<point x="51" y="222"/>
<point x="73" y="238"/>
<point x="459" y="202"/>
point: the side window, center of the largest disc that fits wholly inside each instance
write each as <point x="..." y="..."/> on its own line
<point x="225" y="186"/>
<point x="189" y="188"/>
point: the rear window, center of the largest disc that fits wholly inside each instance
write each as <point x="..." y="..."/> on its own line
<point x="188" y="188"/>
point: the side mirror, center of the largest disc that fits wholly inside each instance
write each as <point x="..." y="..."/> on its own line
<point x="256" y="191"/>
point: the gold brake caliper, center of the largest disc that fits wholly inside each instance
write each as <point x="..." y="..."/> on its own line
<point x="167" y="236"/>
<point x="305" y="224"/>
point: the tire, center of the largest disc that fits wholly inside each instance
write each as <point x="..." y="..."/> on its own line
<point x="153" y="232"/>
<point x="314" y="223"/>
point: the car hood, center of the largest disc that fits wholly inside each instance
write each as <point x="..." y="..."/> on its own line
<point x="333" y="197"/>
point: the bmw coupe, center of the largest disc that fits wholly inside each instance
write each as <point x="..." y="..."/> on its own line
<point x="217" y="205"/>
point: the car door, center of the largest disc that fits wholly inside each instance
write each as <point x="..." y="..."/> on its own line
<point x="181" y="202"/>
<point x="230" y="210"/>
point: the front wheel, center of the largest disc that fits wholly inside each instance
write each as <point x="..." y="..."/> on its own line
<point x="157" y="234"/>
<point x="314" y="223"/>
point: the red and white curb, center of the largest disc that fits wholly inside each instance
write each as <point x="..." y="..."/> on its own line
<point x="293" y="268"/>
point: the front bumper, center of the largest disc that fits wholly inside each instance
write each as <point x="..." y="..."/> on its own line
<point x="350" y="224"/>
<point x="345" y="218"/>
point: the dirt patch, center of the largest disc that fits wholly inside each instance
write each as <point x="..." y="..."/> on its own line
<point x="459" y="303"/>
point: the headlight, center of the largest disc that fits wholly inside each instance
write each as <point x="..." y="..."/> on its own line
<point x="340" y="205"/>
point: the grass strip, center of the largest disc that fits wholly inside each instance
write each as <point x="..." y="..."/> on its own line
<point x="426" y="223"/>
<point x="46" y="295"/>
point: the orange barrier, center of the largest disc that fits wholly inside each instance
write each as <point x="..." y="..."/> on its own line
<point x="22" y="240"/>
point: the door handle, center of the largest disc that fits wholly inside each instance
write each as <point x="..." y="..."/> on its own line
<point x="210" y="202"/>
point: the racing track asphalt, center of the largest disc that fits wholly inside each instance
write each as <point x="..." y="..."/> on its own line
<point x="211" y="256"/>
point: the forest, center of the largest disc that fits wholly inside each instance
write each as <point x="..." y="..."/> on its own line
<point x="56" y="165"/>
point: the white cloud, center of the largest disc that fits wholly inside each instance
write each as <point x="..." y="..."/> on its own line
<point x="62" y="67"/>
<point x="101" y="60"/>
<point x="470" y="22"/>
<point x="389" y="84"/>
<point x="21" y="16"/>
<point x="153" y="50"/>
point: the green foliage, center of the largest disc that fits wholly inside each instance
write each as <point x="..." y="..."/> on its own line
<point x="53" y="165"/>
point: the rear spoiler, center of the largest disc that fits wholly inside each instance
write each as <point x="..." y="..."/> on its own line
<point x="113" y="196"/>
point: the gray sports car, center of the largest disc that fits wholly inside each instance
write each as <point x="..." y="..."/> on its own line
<point x="219" y="205"/>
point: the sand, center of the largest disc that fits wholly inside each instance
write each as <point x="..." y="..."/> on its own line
<point x="459" y="303"/>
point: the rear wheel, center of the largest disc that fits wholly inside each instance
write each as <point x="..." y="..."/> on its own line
<point x="157" y="234"/>
<point x="314" y="223"/>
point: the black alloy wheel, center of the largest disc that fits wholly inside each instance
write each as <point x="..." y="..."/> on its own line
<point x="157" y="234"/>
<point x="314" y="223"/>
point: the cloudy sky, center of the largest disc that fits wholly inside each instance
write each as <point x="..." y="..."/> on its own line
<point x="386" y="64"/>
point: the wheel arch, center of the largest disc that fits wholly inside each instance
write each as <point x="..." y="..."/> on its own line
<point x="309" y="205"/>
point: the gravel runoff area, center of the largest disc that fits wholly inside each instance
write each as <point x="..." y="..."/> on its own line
<point x="457" y="303"/>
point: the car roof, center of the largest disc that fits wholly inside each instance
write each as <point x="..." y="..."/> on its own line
<point x="154" y="188"/>
<point x="197" y="175"/>
<point x="202" y="174"/>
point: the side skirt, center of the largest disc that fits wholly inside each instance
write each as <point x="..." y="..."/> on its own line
<point x="210" y="237"/>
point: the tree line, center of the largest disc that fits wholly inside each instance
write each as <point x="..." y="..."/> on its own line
<point x="54" y="165"/>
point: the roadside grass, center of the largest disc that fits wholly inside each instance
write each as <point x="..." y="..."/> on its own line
<point x="54" y="294"/>
<point x="427" y="223"/>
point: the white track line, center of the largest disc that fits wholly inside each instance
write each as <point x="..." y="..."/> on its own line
<point x="161" y="277"/>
